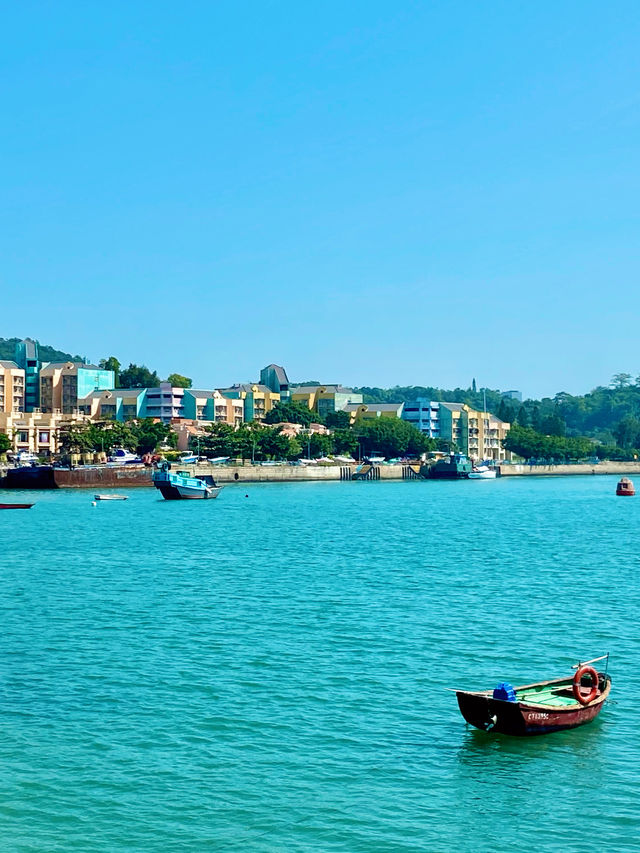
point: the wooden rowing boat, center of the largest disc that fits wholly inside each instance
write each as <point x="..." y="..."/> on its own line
<point x="539" y="708"/>
<point x="110" y="497"/>
<point x="16" y="506"/>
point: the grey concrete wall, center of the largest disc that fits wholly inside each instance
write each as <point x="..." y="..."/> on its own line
<point x="286" y="473"/>
<point x="620" y="468"/>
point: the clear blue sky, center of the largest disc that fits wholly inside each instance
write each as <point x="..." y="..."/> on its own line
<point x="368" y="192"/>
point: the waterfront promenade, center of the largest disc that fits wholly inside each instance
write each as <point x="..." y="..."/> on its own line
<point x="137" y="475"/>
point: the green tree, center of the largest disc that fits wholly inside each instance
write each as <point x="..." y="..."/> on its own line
<point x="392" y="437"/>
<point x="111" y="363"/>
<point x="337" y="420"/>
<point x="219" y="439"/>
<point x="5" y="442"/>
<point x="627" y="432"/>
<point x="526" y="442"/>
<point x="315" y="444"/>
<point x="506" y="411"/>
<point x="105" y="435"/>
<point x="621" y="380"/>
<point x="345" y="442"/>
<point x="178" y="381"/>
<point x="138" y="376"/>
<point x="553" y="424"/>
<point x="149" y="434"/>
<point x="76" y="438"/>
<point x="274" y="444"/>
<point x="535" y="418"/>
<point x="290" y="412"/>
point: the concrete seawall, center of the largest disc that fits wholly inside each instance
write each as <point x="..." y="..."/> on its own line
<point x="620" y="468"/>
<point x="294" y="473"/>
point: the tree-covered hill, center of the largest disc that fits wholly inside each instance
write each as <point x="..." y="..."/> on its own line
<point x="47" y="353"/>
<point x="610" y="415"/>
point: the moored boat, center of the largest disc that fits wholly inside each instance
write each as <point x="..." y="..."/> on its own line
<point x="456" y="467"/>
<point x="482" y="472"/>
<point x="182" y="486"/>
<point x="539" y="708"/>
<point x="16" y="506"/>
<point x="110" y="497"/>
<point x="625" y="487"/>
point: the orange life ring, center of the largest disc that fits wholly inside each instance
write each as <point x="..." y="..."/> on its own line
<point x="577" y="678"/>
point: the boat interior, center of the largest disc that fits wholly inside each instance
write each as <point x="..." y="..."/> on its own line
<point x="553" y="695"/>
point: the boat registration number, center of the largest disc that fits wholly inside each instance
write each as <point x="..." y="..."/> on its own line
<point x="536" y="716"/>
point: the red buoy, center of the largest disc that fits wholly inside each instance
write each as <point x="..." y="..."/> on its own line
<point x="625" y="487"/>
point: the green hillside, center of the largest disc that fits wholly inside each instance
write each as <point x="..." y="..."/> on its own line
<point x="47" y="353"/>
<point x="610" y="415"/>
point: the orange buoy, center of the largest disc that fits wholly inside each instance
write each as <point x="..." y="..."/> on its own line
<point x="625" y="487"/>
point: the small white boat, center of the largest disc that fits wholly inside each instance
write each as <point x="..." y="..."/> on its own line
<point x="482" y="472"/>
<point x="187" y="458"/>
<point x="120" y="456"/>
<point x="110" y="497"/>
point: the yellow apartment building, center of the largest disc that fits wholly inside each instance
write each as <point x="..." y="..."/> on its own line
<point x="325" y="398"/>
<point x="370" y="411"/>
<point x="12" y="380"/>
<point x="257" y="399"/>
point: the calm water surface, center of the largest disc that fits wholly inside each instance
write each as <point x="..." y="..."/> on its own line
<point x="266" y="673"/>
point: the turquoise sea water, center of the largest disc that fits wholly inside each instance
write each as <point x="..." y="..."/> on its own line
<point x="266" y="673"/>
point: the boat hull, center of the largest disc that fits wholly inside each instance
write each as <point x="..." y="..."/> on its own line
<point x="523" y="719"/>
<point x="179" y="493"/>
<point x="457" y="467"/>
<point x="16" y="506"/>
<point x="181" y="486"/>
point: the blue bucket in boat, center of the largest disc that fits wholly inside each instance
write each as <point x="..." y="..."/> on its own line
<point x="504" y="691"/>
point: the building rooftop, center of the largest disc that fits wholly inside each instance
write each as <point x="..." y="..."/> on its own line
<point x="30" y="348"/>
<point x="11" y="365"/>
<point x="281" y="373"/>
<point x="61" y="364"/>
<point x="329" y="388"/>
<point x="196" y="392"/>
<point x="246" y="386"/>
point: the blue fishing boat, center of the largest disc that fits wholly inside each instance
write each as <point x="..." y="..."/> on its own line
<point x="180" y="485"/>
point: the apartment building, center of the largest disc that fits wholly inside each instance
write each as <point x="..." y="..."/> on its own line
<point x="424" y="415"/>
<point x="275" y="378"/>
<point x="35" y="432"/>
<point x="478" y="434"/>
<point x="213" y="406"/>
<point x="27" y="357"/>
<point x="65" y="385"/>
<point x="369" y="411"/>
<point x="257" y="399"/>
<point x="325" y="398"/>
<point x="12" y="390"/>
